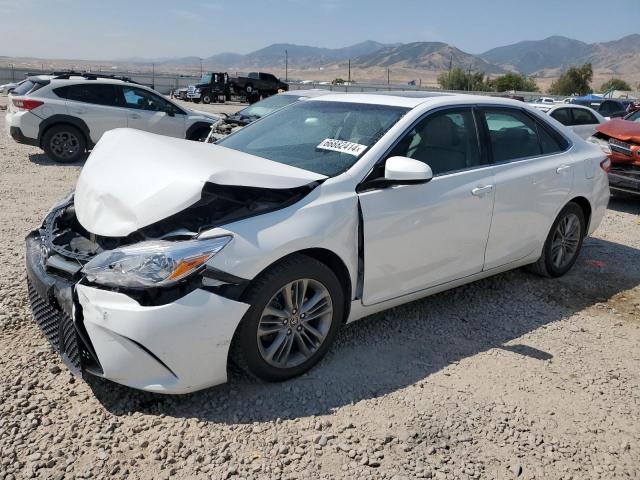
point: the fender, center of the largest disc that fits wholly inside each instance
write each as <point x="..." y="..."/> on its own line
<point x="61" y="118"/>
<point x="197" y="126"/>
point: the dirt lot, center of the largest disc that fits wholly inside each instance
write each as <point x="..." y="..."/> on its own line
<point x="513" y="376"/>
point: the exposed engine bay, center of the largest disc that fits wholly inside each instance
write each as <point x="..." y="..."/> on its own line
<point x="224" y="127"/>
<point x="70" y="245"/>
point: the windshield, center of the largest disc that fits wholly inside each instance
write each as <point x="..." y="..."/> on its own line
<point x="206" y="78"/>
<point x="268" y="105"/>
<point x="634" y="117"/>
<point x="320" y="136"/>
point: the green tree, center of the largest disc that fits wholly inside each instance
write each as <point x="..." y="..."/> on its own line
<point x="576" y="80"/>
<point x="514" y="81"/>
<point x="615" y="84"/>
<point x="458" y="79"/>
<point x="337" y="81"/>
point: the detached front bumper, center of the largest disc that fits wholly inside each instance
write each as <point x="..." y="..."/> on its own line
<point x="178" y="347"/>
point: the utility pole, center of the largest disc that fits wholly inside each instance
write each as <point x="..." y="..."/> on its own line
<point x="200" y="68"/>
<point x="286" y="66"/>
<point x="153" y="76"/>
<point x="388" y="76"/>
<point x="349" y="71"/>
<point x="13" y="72"/>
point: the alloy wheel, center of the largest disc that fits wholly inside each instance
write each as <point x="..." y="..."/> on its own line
<point x="65" y="144"/>
<point x="295" y="323"/>
<point x="566" y="239"/>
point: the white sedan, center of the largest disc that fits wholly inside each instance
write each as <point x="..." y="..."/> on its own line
<point x="173" y="257"/>
<point x="582" y="120"/>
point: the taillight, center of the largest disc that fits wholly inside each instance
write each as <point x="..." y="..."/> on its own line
<point x="606" y="165"/>
<point x="26" y="104"/>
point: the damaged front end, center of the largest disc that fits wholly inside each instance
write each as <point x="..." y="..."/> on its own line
<point x="59" y="252"/>
<point x="227" y="126"/>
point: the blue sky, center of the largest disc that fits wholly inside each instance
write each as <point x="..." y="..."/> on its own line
<point x="107" y="29"/>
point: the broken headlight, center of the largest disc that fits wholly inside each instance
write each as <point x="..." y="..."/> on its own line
<point x="155" y="263"/>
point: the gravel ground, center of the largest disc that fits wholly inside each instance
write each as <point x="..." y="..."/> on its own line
<point x="513" y="376"/>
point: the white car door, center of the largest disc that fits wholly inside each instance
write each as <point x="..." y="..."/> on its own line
<point x="418" y="236"/>
<point x="147" y="111"/>
<point x="96" y="104"/>
<point x="533" y="177"/>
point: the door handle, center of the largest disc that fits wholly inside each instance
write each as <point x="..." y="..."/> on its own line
<point x="563" y="168"/>
<point x="79" y="112"/>
<point x="481" y="191"/>
<point x="134" y="115"/>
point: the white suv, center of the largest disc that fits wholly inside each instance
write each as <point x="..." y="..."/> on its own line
<point x="66" y="115"/>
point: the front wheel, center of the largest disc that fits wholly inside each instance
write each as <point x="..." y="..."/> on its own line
<point x="296" y="310"/>
<point x="563" y="244"/>
<point x="206" y="99"/>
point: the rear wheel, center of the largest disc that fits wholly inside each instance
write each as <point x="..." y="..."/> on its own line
<point x="206" y="98"/>
<point x="563" y="244"/>
<point x="249" y="89"/>
<point x="296" y="310"/>
<point x="64" y="143"/>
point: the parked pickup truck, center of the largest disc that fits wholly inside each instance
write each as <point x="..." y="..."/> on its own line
<point x="219" y="87"/>
<point x="620" y="139"/>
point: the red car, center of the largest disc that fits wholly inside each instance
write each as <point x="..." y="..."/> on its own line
<point x="620" y="138"/>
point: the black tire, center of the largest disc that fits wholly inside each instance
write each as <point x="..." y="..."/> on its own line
<point x="545" y="265"/>
<point x="249" y="89"/>
<point x="64" y="143"/>
<point x="200" y="135"/>
<point x="206" y="99"/>
<point x="195" y="100"/>
<point x="245" y="351"/>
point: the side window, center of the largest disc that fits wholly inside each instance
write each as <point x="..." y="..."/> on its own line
<point x="548" y="143"/>
<point x="90" y="93"/>
<point x="143" y="100"/>
<point x="446" y="141"/>
<point x="513" y="135"/>
<point x="563" y="115"/>
<point x="254" y="75"/>
<point x="609" y="107"/>
<point x="583" y="117"/>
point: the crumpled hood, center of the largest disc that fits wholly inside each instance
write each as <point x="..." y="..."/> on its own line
<point x="624" y="130"/>
<point x="133" y="179"/>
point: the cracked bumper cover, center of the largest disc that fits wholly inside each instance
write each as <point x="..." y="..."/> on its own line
<point x="175" y="348"/>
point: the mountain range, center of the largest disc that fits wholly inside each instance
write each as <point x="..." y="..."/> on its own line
<point x="539" y="57"/>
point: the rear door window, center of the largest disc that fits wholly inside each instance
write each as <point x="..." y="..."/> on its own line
<point x="583" y="117"/>
<point x="514" y="135"/>
<point x="97" y="94"/>
<point x="563" y="115"/>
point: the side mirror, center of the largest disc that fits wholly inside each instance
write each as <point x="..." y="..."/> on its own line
<point x="170" y="111"/>
<point x="404" y="170"/>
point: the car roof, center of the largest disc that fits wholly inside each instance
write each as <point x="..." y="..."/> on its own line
<point x="413" y="99"/>
<point x="309" y="93"/>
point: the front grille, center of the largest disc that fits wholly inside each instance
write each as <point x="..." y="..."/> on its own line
<point x="56" y="325"/>
<point x="620" y="147"/>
